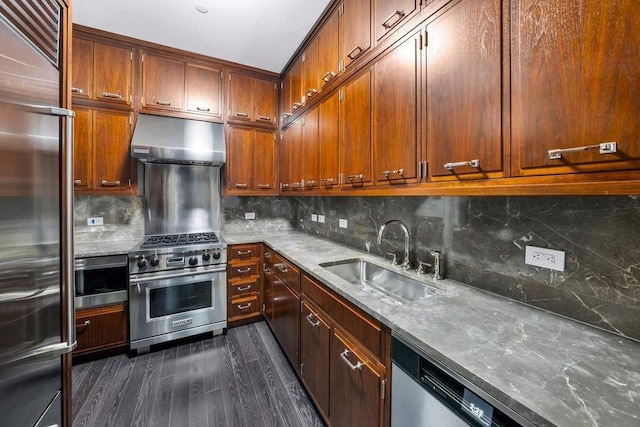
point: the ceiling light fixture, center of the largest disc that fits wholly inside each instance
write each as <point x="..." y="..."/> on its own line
<point x="202" y="8"/>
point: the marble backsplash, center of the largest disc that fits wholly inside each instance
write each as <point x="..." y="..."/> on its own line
<point x="483" y="241"/>
<point x="123" y="218"/>
<point x="271" y="214"/>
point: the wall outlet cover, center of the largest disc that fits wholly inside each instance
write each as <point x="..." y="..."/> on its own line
<point x="314" y="217"/>
<point x="342" y="223"/>
<point x="98" y="220"/>
<point x="321" y="219"/>
<point x="546" y="258"/>
<point x="249" y="215"/>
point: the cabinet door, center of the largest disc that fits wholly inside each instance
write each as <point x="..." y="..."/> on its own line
<point x="356" y="387"/>
<point x="315" y="338"/>
<point x="82" y="143"/>
<point x="264" y="156"/>
<point x="389" y="13"/>
<point x="310" y="78"/>
<point x="204" y="90"/>
<point x="240" y="96"/>
<point x="269" y="295"/>
<point x="310" y="150"/>
<point x="575" y="86"/>
<point x="286" y="318"/>
<point x="355" y="131"/>
<point x="240" y="158"/>
<point x="101" y="328"/>
<point x="111" y="157"/>
<point x="329" y="49"/>
<point x="82" y="68"/>
<point x="356" y="29"/>
<point x="290" y="170"/>
<point x="396" y="129"/>
<point x="112" y="70"/>
<point x="464" y="96"/>
<point x="265" y="94"/>
<point x="162" y="82"/>
<point x="329" y="136"/>
<point x="295" y="85"/>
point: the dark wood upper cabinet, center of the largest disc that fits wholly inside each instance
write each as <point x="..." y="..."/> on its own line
<point x="355" y="131"/>
<point x="82" y="148"/>
<point x="356" y="29"/>
<point x="240" y="158"/>
<point x="251" y="166"/>
<point x="101" y="72"/>
<point x="574" y="86"/>
<point x="162" y="82"/>
<point x="464" y="92"/>
<point x="295" y="85"/>
<point x="310" y="150"/>
<point x="315" y="340"/>
<point x="389" y="13"/>
<point x="310" y="73"/>
<point x="240" y="96"/>
<point x="111" y="157"/>
<point x="329" y="49"/>
<point x="252" y="99"/>
<point x="329" y="140"/>
<point x="396" y="113"/>
<point x="264" y="161"/>
<point x="265" y="98"/>
<point x="291" y="156"/>
<point x="204" y="90"/>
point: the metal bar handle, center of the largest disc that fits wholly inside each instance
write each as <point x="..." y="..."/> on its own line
<point x="106" y="183"/>
<point x="296" y="105"/>
<point x="69" y="265"/>
<point x="310" y="320"/>
<point x="264" y="186"/>
<point x="76" y="90"/>
<point x="328" y="76"/>
<point x="264" y="118"/>
<point x="244" y="307"/>
<point x="240" y="185"/>
<point x="243" y="270"/>
<point x="242" y="114"/>
<point x="352" y="51"/>
<point x="388" y="25"/>
<point x="358" y="176"/>
<point x="244" y="253"/>
<point x="603" y="147"/>
<point x="387" y="174"/>
<point x="283" y="268"/>
<point x="203" y="108"/>
<point x="111" y="95"/>
<point x="77" y="182"/>
<point x="310" y="183"/>
<point x="345" y="357"/>
<point x="243" y="288"/>
<point x="84" y="325"/>
<point x="327" y="181"/>
<point x="285" y="115"/>
<point x="473" y="163"/>
<point x="136" y="281"/>
<point x="311" y="92"/>
<point x="296" y="185"/>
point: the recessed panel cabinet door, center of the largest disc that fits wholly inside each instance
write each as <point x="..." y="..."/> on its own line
<point x="329" y="49"/>
<point x="329" y="139"/>
<point x="265" y="95"/>
<point x="355" y="131"/>
<point x="82" y="68"/>
<point x="396" y="131"/>
<point x="464" y="96"/>
<point x="82" y="143"/>
<point x="264" y="155"/>
<point x="310" y="81"/>
<point x="315" y="338"/>
<point x="111" y="158"/>
<point x="112" y="67"/>
<point x="310" y="150"/>
<point x="162" y="82"/>
<point x="575" y="84"/>
<point x="356" y="29"/>
<point x="204" y="90"/>
<point x="291" y="157"/>
<point x="240" y="162"/>
<point x="390" y="13"/>
<point x="240" y="88"/>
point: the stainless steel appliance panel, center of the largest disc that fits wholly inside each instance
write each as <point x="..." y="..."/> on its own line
<point x="101" y="280"/>
<point x="181" y="198"/>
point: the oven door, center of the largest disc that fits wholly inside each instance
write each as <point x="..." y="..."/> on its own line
<point x="169" y="303"/>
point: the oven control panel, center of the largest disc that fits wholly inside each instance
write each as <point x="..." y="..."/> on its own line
<point x="153" y="262"/>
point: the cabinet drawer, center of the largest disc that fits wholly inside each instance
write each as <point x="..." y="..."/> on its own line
<point x="244" y="287"/>
<point x="101" y="328"/>
<point x="243" y="269"/>
<point x="244" y="252"/>
<point x="368" y="331"/>
<point x="243" y="307"/>
<point x="286" y="271"/>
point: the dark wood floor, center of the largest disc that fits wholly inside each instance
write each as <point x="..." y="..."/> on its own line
<point x="241" y="379"/>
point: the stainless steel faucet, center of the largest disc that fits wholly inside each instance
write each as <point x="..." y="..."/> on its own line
<point x="406" y="263"/>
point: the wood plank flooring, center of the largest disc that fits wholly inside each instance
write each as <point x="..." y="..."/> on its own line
<point x="238" y="379"/>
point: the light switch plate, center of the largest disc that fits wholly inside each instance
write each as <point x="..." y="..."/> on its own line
<point x="546" y="258"/>
<point x="249" y="215"/>
<point x="342" y="223"/>
<point x="98" y="220"/>
<point x="321" y="219"/>
<point x="314" y="217"/>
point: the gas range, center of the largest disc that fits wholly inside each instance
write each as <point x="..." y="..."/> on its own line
<point x="162" y="252"/>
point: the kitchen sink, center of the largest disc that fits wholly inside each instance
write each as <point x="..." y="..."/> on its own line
<point x="378" y="280"/>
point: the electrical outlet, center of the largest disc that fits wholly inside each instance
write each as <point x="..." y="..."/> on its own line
<point x="546" y="258"/>
<point x="321" y="219"/>
<point x="314" y="217"/>
<point x="98" y="220"/>
<point x="249" y="215"/>
<point x="342" y="223"/>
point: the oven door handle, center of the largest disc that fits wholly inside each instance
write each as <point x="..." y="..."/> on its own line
<point x="136" y="281"/>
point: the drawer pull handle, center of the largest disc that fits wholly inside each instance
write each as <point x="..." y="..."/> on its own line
<point x="310" y="320"/>
<point x="311" y="92"/>
<point x="285" y="115"/>
<point x="111" y="95"/>
<point x="399" y="172"/>
<point x="604" y="148"/>
<point x="83" y="325"/>
<point x="243" y="288"/>
<point x="264" y="186"/>
<point x="77" y="182"/>
<point x="267" y="254"/>
<point x="264" y="118"/>
<point x="473" y="163"/>
<point x="328" y="76"/>
<point x="359" y="176"/>
<point x="203" y="109"/>
<point x="244" y="307"/>
<point x="163" y="103"/>
<point x="283" y="268"/>
<point x="241" y="185"/>
<point x="352" y="53"/>
<point x="106" y="183"/>
<point x="386" y="24"/>
<point x="296" y="105"/>
<point x="327" y="181"/>
<point x="345" y="357"/>
<point x="243" y="270"/>
<point x="310" y="184"/>
<point x="76" y="90"/>
<point x="266" y="270"/>
<point x="244" y="253"/>
<point x="242" y="114"/>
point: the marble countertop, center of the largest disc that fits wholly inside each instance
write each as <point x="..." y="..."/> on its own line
<point x="103" y="247"/>
<point x="549" y="369"/>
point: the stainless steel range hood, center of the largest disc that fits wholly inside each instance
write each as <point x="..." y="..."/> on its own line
<point x="160" y="139"/>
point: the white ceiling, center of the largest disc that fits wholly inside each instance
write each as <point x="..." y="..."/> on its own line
<point x="259" y="33"/>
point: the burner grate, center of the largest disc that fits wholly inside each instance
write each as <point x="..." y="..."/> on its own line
<point x="166" y="240"/>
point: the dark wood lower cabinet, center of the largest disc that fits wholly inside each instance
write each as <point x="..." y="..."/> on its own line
<point x="101" y="328"/>
<point x="315" y="337"/>
<point x="286" y="320"/>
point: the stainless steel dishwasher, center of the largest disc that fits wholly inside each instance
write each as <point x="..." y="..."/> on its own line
<point x="423" y="395"/>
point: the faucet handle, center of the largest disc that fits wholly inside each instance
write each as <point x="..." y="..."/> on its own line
<point x="395" y="259"/>
<point x="422" y="267"/>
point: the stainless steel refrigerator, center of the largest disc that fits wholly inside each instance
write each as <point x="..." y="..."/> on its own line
<point x="36" y="252"/>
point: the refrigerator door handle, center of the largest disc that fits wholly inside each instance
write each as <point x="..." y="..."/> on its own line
<point x="68" y="260"/>
<point x="49" y="111"/>
<point x="47" y="351"/>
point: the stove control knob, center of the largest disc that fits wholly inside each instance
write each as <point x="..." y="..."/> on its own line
<point x="155" y="261"/>
<point x="142" y="263"/>
<point x="216" y="255"/>
<point x="193" y="261"/>
<point x="206" y="256"/>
